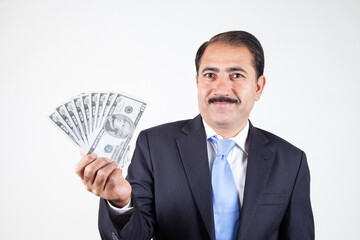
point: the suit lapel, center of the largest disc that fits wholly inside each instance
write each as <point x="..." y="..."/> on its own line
<point x="260" y="159"/>
<point x="193" y="152"/>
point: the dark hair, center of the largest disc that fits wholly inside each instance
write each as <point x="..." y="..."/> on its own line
<point x="237" y="38"/>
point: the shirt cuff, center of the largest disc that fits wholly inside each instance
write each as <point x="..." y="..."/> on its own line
<point x="120" y="211"/>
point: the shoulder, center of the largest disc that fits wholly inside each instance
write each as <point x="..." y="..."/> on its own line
<point x="177" y="125"/>
<point x="166" y="130"/>
<point x="278" y="144"/>
<point x="285" y="155"/>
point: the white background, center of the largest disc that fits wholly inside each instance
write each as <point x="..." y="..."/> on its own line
<point x="52" y="50"/>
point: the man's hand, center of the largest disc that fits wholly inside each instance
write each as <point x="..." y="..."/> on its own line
<point x="104" y="179"/>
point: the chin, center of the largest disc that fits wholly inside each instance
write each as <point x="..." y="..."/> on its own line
<point x="221" y="122"/>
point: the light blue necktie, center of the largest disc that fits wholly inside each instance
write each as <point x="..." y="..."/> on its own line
<point x="225" y="196"/>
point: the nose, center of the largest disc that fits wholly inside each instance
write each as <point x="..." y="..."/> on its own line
<point x="222" y="86"/>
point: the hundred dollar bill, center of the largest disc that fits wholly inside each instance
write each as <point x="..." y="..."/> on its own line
<point x="86" y="103"/>
<point x="109" y="100"/>
<point x="57" y="119"/>
<point x="72" y="113"/>
<point x="78" y="104"/>
<point x="125" y="162"/>
<point x="94" y="100"/>
<point x="63" y="114"/>
<point x="115" y="134"/>
<point x="100" y="109"/>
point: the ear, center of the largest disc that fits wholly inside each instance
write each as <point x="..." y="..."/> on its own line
<point x="260" y="87"/>
<point x="197" y="81"/>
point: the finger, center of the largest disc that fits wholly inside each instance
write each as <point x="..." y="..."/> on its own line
<point x="101" y="177"/>
<point x="113" y="180"/>
<point x="117" y="188"/>
<point x="90" y="171"/>
<point x="82" y="153"/>
<point x="86" y="160"/>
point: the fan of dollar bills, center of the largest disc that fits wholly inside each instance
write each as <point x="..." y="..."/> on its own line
<point x="100" y="122"/>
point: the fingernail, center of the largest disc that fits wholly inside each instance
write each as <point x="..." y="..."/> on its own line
<point x="93" y="155"/>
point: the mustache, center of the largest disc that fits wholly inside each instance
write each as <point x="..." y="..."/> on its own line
<point x="223" y="99"/>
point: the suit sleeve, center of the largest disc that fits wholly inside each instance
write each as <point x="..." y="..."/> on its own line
<point x="298" y="222"/>
<point x="140" y="223"/>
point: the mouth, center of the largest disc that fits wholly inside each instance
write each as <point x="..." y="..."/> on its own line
<point x="222" y="100"/>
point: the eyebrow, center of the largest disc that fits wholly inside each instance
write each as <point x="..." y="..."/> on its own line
<point x="210" y="69"/>
<point x="231" y="69"/>
<point x="236" y="69"/>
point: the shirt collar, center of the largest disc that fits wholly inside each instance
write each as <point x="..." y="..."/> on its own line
<point x="239" y="139"/>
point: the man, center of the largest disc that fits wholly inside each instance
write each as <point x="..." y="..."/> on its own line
<point x="174" y="184"/>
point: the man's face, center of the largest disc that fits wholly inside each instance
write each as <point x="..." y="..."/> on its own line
<point x="122" y="127"/>
<point x="227" y="87"/>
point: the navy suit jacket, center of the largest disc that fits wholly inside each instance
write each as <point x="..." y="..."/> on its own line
<point x="172" y="195"/>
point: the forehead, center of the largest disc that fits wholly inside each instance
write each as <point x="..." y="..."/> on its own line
<point x="220" y="53"/>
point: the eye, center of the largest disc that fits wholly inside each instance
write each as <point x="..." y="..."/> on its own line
<point x="209" y="75"/>
<point x="237" y="75"/>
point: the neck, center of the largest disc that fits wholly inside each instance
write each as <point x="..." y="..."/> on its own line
<point x="227" y="131"/>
